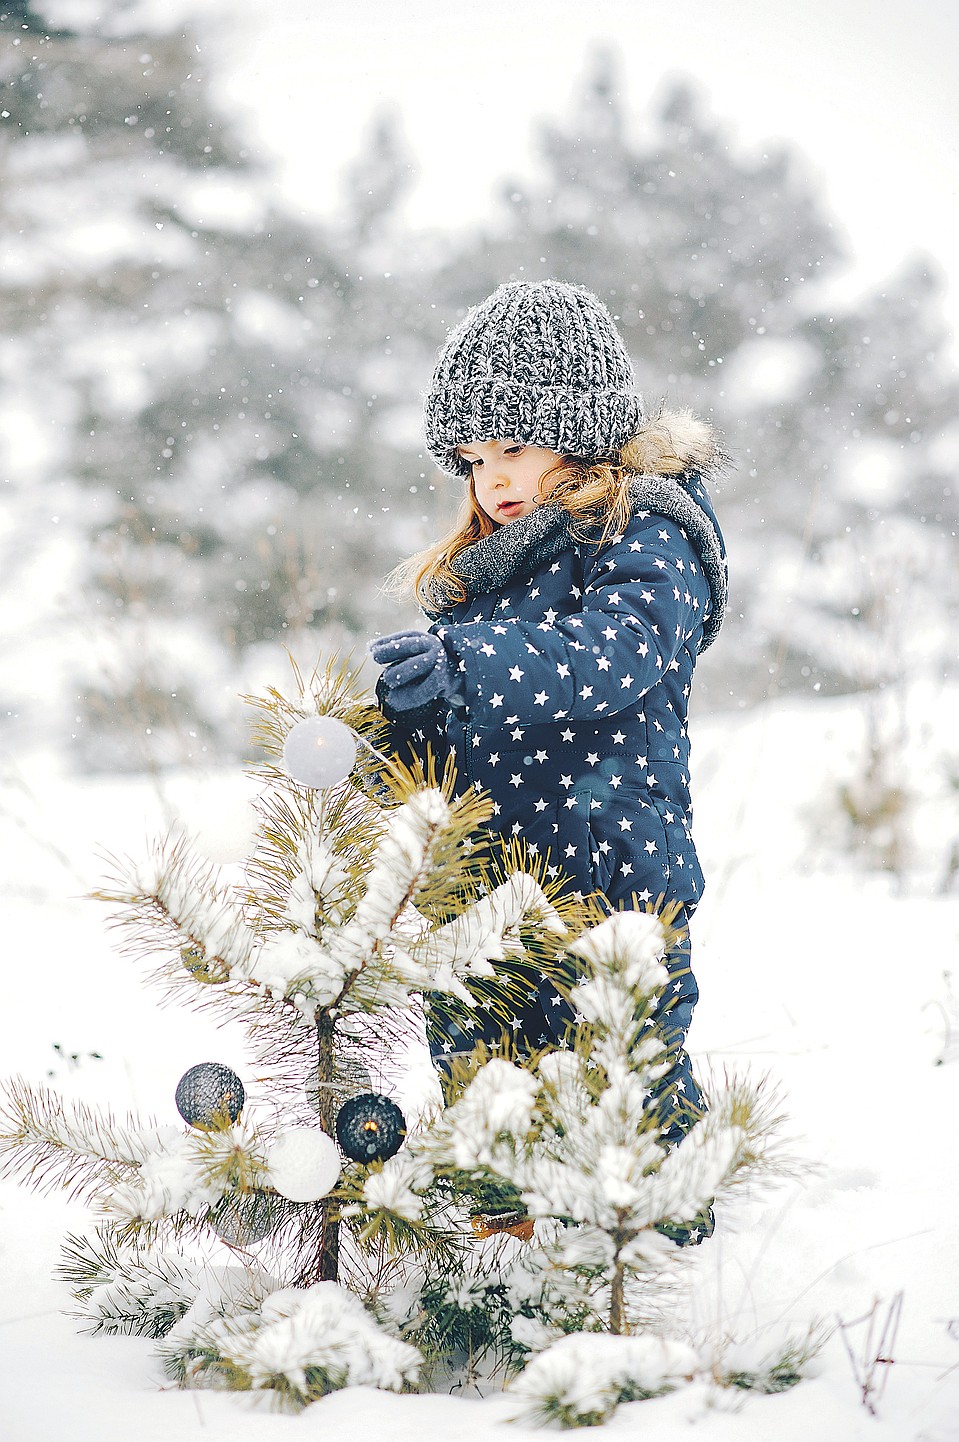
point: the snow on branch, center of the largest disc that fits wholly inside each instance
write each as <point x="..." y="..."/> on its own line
<point x="302" y="1343"/>
<point x="187" y="896"/>
<point x="487" y="932"/>
<point x="372" y="955"/>
<point x="135" y="1170"/>
<point x="402" y="862"/>
<point x="366" y="963"/>
<point x="579" y="1380"/>
<point x="625" y="951"/>
<point x="186" y="1171"/>
<point x="488" y="1125"/>
<point x="126" y="1291"/>
<point x="51" y="1144"/>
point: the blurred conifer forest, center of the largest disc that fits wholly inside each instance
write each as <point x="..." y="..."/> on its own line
<point x="209" y="411"/>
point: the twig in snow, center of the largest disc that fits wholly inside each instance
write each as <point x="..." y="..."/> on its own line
<point x="949" y="1051"/>
<point x="871" y="1367"/>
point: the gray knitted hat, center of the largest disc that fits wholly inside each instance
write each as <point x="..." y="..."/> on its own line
<point x="538" y="362"/>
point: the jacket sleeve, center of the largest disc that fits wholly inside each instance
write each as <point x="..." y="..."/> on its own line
<point x="415" y="734"/>
<point x="644" y="598"/>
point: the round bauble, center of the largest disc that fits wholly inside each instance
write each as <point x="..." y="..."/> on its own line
<point x="319" y="752"/>
<point x="246" y="1218"/>
<point x="209" y="1095"/>
<point x="303" y="1164"/>
<point x="370" y="1128"/>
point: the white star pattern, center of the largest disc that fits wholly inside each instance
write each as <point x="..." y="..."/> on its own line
<point x="595" y="652"/>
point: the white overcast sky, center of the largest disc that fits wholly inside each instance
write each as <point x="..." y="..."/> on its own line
<point x="865" y="89"/>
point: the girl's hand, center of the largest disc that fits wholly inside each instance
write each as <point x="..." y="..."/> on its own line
<point x="418" y="670"/>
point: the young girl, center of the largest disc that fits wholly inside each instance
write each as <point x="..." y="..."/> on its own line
<point x="568" y="607"/>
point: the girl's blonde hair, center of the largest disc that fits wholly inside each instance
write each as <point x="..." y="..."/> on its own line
<point x="595" y="494"/>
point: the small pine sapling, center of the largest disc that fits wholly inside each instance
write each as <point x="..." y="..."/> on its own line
<point x="574" y="1139"/>
<point x="363" y="895"/>
<point x="374" y="895"/>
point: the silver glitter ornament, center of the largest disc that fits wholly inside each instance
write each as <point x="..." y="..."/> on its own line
<point x="209" y="1095"/>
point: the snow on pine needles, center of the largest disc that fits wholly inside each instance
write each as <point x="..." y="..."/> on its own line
<point x="829" y="978"/>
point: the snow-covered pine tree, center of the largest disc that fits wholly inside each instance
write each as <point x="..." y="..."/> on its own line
<point x="573" y="1138"/>
<point x="287" y="1239"/>
<point x="205" y="403"/>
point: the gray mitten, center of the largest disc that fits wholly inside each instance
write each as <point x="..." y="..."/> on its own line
<point x="418" y="670"/>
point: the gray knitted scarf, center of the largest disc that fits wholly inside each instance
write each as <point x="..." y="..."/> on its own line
<point x="536" y="539"/>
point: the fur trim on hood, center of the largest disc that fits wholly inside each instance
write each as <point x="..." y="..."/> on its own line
<point x="670" y="443"/>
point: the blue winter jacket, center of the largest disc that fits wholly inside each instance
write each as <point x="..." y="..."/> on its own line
<point x="575" y="663"/>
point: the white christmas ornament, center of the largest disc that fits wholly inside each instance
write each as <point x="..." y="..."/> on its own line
<point x="303" y="1163"/>
<point x="319" y="751"/>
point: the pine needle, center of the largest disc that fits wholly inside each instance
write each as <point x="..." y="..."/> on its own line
<point x="51" y="1144"/>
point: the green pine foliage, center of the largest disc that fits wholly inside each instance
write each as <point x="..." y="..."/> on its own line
<point x="363" y="907"/>
<point x="125" y="1292"/>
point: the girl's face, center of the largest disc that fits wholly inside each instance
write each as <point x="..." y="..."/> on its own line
<point x="508" y="477"/>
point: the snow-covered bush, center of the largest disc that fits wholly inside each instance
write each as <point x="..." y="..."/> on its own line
<point x="360" y="902"/>
<point x="573" y="1138"/>
<point x="579" y="1381"/>
<point x="299" y="1342"/>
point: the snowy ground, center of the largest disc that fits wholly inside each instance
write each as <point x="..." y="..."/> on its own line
<point x="828" y="977"/>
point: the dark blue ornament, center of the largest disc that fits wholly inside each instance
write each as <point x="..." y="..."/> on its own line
<point x="370" y="1128"/>
<point x="209" y="1095"/>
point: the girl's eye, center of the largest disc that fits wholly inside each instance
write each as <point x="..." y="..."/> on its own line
<point x="514" y="450"/>
<point x="475" y="464"/>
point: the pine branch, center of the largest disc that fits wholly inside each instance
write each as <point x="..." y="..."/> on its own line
<point x="301" y="1344"/>
<point x="325" y="840"/>
<point x="400" y="1237"/>
<point x="754" y="1108"/>
<point x="189" y="1173"/>
<point x="282" y="1044"/>
<point x="491" y="930"/>
<point x="330" y="690"/>
<point x="458" y="870"/>
<point x="395" y="1209"/>
<point x="51" y="1144"/>
<point x="370" y="961"/>
<point x="125" y="1292"/>
<point x="405" y="863"/>
<point x="186" y="899"/>
<point x="229" y="1158"/>
<point x="152" y="1233"/>
<point x="227" y="1002"/>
